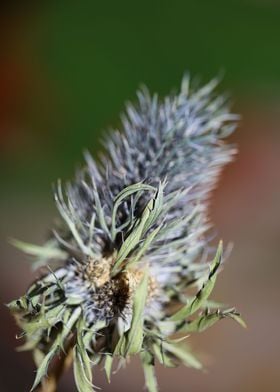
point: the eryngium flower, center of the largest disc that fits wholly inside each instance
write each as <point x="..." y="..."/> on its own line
<point x="131" y="244"/>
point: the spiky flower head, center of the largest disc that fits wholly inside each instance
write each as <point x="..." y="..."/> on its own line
<point x="132" y="242"/>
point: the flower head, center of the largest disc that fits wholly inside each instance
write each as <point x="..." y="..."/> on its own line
<point x="132" y="241"/>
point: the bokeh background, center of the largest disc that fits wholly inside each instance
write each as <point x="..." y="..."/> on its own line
<point x="66" y="69"/>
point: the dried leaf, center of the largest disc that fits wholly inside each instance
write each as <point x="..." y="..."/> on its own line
<point x="43" y="368"/>
<point x="134" y="336"/>
<point x="108" y="366"/>
<point x="236" y="317"/>
<point x="128" y="191"/>
<point x="80" y="372"/>
<point x="183" y="354"/>
<point x="133" y="238"/>
<point x="144" y="247"/>
<point x="82" y="350"/>
<point x="47" y="251"/>
<point x="156" y="206"/>
<point x="204" y="293"/>
<point x="149" y="372"/>
<point x="162" y="355"/>
<point x="131" y="341"/>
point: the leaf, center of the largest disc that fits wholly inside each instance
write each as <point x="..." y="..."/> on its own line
<point x="120" y="346"/>
<point x="82" y="350"/>
<point x="99" y="210"/>
<point x="66" y="215"/>
<point x="20" y="304"/>
<point x="162" y="356"/>
<point x="175" y="223"/>
<point x="156" y="206"/>
<point x="69" y="319"/>
<point x="82" y="361"/>
<point x="44" y="320"/>
<point x="135" y="188"/>
<point x="57" y="280"/>
<point x="166" y="327"/>
<point x="142" y="225"/>
<point x="108" y="366"/>
<point x="204" y="293"/>
<point x="236" y="317"/>
<point x="202" y="323"/>
<point x="43" y="368"/>
<point x="46" y="251"/>
<point x="149" y="371"/>
<point x="145" y="245"/>
<point x="210" y="304"/>
<point x="131" y="341"/>
<point x="133" y="239"/>
<point x="206" y="321"/>
<point x="80" y="370"/>
<point x="134" y="336"/>
<point x="182" y="353"/>
<point x="54" y="315"/>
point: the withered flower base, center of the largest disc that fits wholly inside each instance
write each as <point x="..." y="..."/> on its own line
<point x="132" y="243"/>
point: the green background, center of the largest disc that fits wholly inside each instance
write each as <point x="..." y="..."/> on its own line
<point x="66" y="70"/>
<point x="84" y="59"/>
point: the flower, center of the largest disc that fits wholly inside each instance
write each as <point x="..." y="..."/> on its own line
<point x="132" y="242"/>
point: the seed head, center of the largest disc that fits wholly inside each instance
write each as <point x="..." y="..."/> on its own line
<point x="132" y="243"/>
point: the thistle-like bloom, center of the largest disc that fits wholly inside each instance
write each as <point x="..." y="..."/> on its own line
<point x="132" y="242"/>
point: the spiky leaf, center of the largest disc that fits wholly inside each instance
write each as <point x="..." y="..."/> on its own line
<point x="204" y="293"/>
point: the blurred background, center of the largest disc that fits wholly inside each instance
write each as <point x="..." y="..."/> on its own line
<point x="66" y="69"/>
